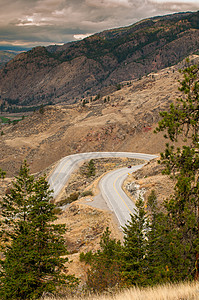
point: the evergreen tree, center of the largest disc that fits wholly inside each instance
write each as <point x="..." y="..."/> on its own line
<point x="91" y="168"/>
<point x="105" y="266"/>
<point x="182" y="208"/>
<point x="33" y="245"/>
<point x="159" y="238"/>
<point x="135" y="246"/>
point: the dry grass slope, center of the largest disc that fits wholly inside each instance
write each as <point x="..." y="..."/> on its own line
<point x="182" y="291"/>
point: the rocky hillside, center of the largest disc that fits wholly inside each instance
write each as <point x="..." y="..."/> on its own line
<point x="122" y="121"/>
<point x="65" y="74"/>
<point x="6" y="56"/>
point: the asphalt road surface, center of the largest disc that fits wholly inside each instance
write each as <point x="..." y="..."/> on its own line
<point x="68" y="164"/>
<point x="111" y="189"/>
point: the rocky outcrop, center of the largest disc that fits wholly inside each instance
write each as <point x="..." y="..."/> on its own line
<point x="135" y="190"/>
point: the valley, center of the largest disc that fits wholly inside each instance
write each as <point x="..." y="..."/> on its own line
<point x="122" y="121"/>
<point x="83" y="115"/>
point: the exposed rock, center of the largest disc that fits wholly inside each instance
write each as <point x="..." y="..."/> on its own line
<point x="105" y="59"/>
<point x="135" y="190"/>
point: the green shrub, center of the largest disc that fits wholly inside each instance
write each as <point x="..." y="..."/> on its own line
<point x="57" y="211"/>
<point x="118" y="86"/>
<point x="87" y="193"/>
<point x="69" y="199"/>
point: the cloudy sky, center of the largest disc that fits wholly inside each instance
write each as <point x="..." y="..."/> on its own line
<point x="29" y="23"/>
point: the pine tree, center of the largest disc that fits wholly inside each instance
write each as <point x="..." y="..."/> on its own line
<point x="135" y="246"/>
<point x="159" y="238"/>
<point x="91" y="168"/>
<point x="155" y="247"/>
<point x="33" y="244"/>
<point x="105" y="265"/>
<point x="183" y="164"/>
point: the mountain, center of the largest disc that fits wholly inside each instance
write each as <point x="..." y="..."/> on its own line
<point x="6" y="56"/>
<point x="65" y="74"/>
<point x="122" y="121"/>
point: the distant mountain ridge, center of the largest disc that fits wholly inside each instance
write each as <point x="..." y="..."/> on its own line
<point x="65" y="74"/>
<point x="6" y="56"/>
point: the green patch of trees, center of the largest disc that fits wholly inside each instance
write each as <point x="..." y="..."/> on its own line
<point x="89" y="169"/>
<point x="182" y="164"/>
<point x="33" y="246"/>
<point x="105" y="266"/>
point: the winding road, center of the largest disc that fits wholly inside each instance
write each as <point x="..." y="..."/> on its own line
<point x="110" y="184"/>
<point x="117" y="200"/>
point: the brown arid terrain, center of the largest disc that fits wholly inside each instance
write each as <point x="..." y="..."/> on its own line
<point x="149" y="178"/>
<point x="123" y="121"/>
<point x="68" y="73"/>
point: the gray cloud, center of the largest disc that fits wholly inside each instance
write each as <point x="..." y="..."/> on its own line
<point x="42" y="22"/>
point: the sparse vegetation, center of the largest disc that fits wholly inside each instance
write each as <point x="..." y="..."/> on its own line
<point x="118" y="86"/>
<point x="73" y="197"/>
<point x="147" y="45"/>
<point x="97" y="97"/>
<point x="5" y="120"/>
<point x="87" y="193"/>
<point x="10" y="120"/>
<point x="89" y="169"/>
<point x="57" y="211"/>
<point x="41" y="109"/>
<point x="2" y="174"/>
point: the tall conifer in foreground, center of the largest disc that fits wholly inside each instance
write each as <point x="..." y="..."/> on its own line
<point x="182" y="208"/>
<point x="33" y="245"/>
<point x="160" y="238"/>
<point x="105" y="268"/>
<point x="135" y="246"/>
